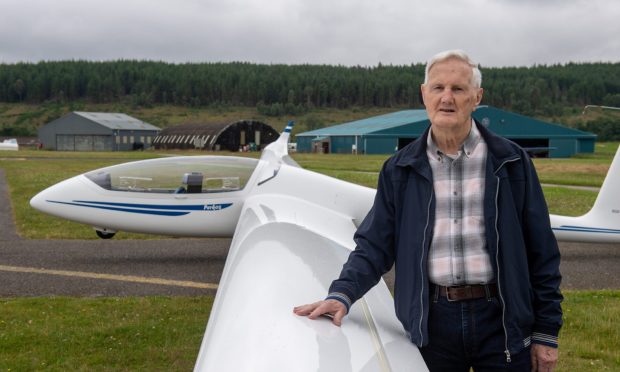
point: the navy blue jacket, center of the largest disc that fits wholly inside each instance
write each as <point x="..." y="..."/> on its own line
<point x="399" y="227"/>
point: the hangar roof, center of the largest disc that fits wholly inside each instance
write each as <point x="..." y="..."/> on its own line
<point x="509" y="124"/>
<point x="116" y="121"/>
<point x="370" y="125"/>
<point x="504" y="123"/>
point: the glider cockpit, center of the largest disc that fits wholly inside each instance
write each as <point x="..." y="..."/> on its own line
<point x="178" y="175"/>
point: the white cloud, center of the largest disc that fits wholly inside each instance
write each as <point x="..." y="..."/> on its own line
<point x="349" y="32"/>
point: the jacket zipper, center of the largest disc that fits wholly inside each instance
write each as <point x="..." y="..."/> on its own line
<point x="499" y="287"/>
<point x="428" y="217"/>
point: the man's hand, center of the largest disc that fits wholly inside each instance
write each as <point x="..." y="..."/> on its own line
<point x="544" y="358"/>
<point x="332" y="308"/>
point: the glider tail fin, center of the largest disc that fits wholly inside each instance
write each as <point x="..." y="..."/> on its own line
<point x="285" y="136"/>
<point x="607" y="204"/>
<point x="277" y="151"/>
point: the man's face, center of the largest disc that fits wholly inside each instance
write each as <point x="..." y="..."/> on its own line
<point x="449" y="95"/>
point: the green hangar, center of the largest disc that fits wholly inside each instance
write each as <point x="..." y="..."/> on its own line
<point x="386" y="134"/>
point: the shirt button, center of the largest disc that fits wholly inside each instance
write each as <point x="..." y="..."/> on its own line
<point x="455" y="221"/>
<point x="455" y="193"/>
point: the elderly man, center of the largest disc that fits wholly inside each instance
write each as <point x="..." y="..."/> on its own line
<point x="461" y="215"/>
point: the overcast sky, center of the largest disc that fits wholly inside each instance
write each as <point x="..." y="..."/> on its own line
<point x="346" y="32"/>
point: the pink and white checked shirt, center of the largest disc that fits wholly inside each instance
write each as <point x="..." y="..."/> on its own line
<point x="458" y="253"/>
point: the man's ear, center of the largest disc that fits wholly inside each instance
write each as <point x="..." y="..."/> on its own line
<point x="479" y="96"/>
<point x="421" y="97"/>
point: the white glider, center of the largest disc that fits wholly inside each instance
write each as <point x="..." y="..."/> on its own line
<point x="292" y="231"/>
<point x="9" y="144"/>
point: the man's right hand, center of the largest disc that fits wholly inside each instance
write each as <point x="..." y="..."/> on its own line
<point x="332" y="308"/>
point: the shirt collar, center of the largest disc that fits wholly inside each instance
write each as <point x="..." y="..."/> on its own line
<point x="468" y="146"/>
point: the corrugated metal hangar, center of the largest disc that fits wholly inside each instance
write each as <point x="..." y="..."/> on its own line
<point x="97" y="131"/>
<point x="386" y="134"/>
<point x="249" y="134"/>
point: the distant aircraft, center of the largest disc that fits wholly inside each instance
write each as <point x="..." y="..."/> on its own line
<point x="9" y="144"/>
<point x="292" y="231"/>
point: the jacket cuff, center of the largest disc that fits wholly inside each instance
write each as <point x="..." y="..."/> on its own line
<point x="545" y="339"/>
<point x="340" y="297"/>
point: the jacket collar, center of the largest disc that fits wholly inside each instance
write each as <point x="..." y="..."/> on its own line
<point x="414" y="155"/>
<point x="500" y="150"/>
<point x="467" y="148"/>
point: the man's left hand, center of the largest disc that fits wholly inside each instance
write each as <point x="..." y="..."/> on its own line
<point x="544" y="358"/>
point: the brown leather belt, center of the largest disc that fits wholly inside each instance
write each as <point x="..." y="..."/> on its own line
<point x="468" y="292"/>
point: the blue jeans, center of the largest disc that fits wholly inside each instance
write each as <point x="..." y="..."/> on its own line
<point x="468" y="334"/>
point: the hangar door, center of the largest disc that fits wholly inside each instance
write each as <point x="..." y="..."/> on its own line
<point x="69" y="142"/>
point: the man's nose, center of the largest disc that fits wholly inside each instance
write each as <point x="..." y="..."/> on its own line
<point x="447" y="96"/>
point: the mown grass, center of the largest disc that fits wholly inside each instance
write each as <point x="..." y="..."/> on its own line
<point x="164" y="333"/>
<point x="582" y="170"/>
<point x="590" y="337"/>
<point x="569" y="202"/>
<point x="346" y="162"/>
<point x="102" y="334"/>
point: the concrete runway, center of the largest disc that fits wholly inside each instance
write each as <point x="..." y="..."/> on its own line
<point x="187" y="266"/>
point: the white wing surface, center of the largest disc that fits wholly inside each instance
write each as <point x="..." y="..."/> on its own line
<point x="286" y="251"/>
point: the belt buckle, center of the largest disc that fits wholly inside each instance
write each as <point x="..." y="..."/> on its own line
<point x="467" y="288"/>
<point x="448" y="295"/>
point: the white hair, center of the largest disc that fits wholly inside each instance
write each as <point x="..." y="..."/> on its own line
<point x="476" y="76"/>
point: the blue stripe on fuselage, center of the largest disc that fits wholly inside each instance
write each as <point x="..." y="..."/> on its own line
<point x="152" y="209"/>
<point x="587" y="229"/>
<point x="147" y="206"/>
<point x="140" y="211"/>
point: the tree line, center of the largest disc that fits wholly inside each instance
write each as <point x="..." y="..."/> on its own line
<point x="537" y="90"/>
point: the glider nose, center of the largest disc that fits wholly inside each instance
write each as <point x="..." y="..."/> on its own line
<point x="39" y="201"/>
<point x="51" y="199"/>
<point x="36" y="201"/>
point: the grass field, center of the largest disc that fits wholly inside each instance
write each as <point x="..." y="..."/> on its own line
<point x="164" y="333"/>
<point x="102" y="334"/>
